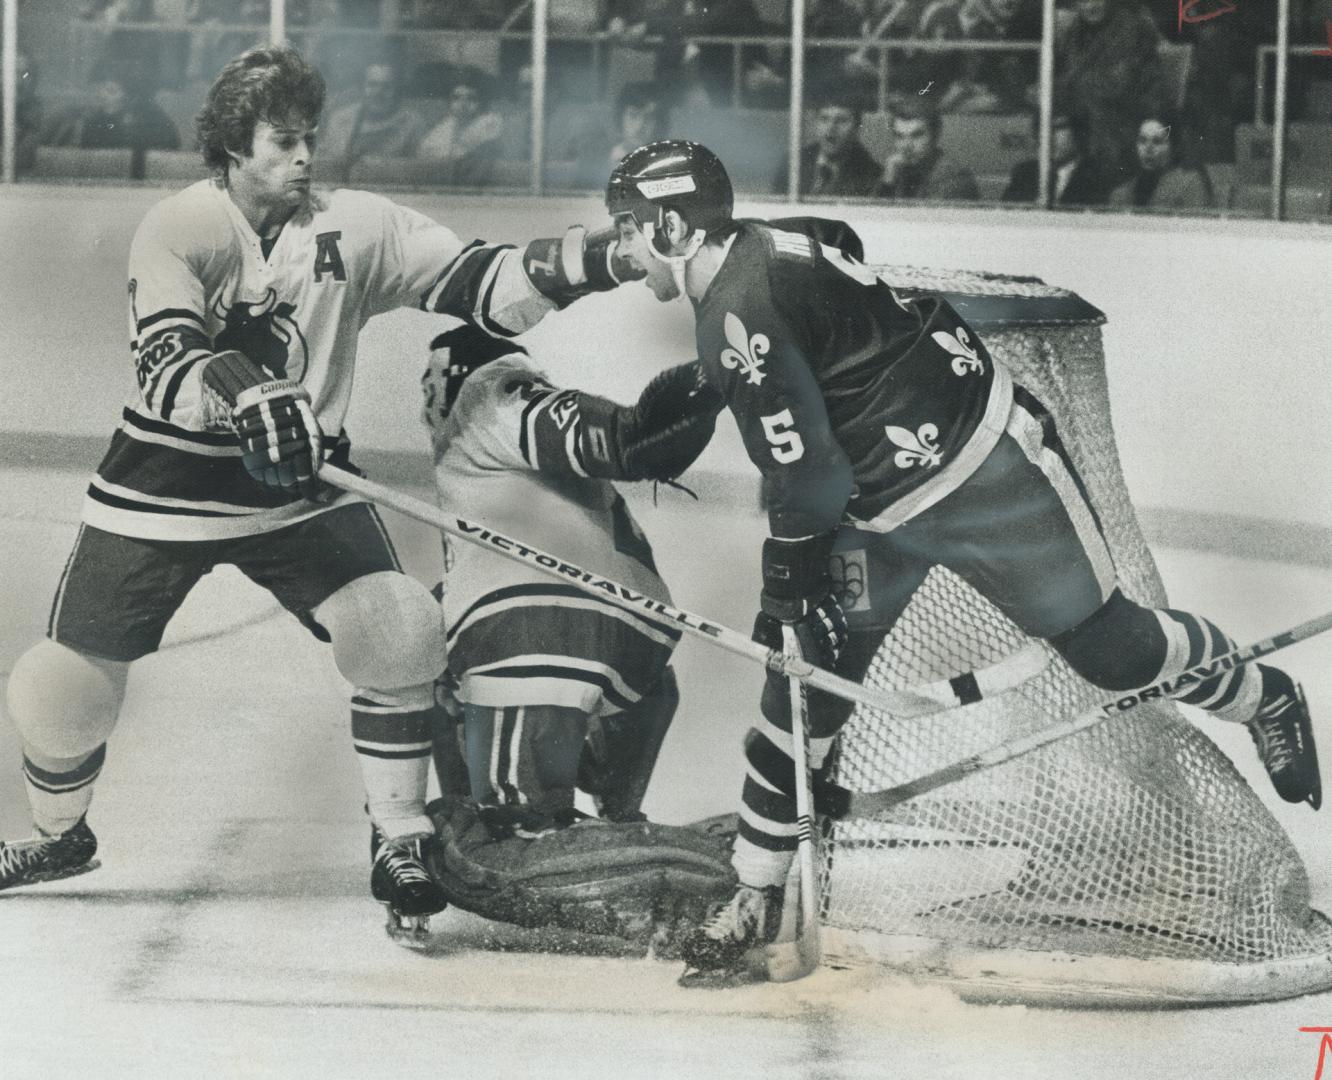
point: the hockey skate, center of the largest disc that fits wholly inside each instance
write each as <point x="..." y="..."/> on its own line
<point x="727" y="949"/>
<point x="401" y="882"/>
<point x="48" y="858"/>
<point x="1283" y="733"/>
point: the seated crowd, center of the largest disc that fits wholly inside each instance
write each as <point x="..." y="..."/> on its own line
<point x="1131" y="127"/>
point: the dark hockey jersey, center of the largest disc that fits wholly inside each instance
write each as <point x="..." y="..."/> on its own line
<point x="849" y="399"/>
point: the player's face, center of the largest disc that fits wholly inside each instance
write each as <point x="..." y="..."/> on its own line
<point x="276" y="173"/>
<point x="633" y="245"/>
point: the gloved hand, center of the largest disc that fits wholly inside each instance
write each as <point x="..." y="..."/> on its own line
<point x="577" y="263"/>
<point x="281" y="444"/>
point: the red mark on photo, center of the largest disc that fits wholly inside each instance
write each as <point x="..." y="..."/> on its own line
<point x="1328" y="50"/>
<point x="1324" y="1047"/>
<point x="1190" y="16"/>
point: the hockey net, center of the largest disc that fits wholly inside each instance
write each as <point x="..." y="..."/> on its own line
<point x="1127" y="865"/>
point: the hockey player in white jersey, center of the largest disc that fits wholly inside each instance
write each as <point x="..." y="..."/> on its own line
<point x="557" y="688"/>
<point x="536" y="660"/>
<point x="246" y="295"/>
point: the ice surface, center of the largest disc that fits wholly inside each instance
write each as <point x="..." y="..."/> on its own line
<point x="229" y="931"/>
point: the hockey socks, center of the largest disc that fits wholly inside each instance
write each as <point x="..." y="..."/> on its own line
<point x="768" y="834"/>
<point x="1124" y="646"/>
<point x="1231" y="694"/>
<point x="391" y="733"/>
<point x="60" y="790"/>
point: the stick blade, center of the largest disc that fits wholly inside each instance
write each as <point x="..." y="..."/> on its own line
<point x="797" y="950"/>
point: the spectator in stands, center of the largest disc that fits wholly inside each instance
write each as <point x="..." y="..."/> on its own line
<point x="121" y="43"/>
<point x="842" y="70"/>
<point x="121" y="115"/>
<point x="1076" y="178"/>
<point x="453" y="14"/>
<point x="640" y="118"/>
<point x="466" y="142"/>
<point x="1107" y="69"/>
<point x="27" y="115"/>
<point x="891" y="20"/>
<point x="597" y="147"/>
<point x="973" y="81"/>
<point x="1221" y="85"/>
<point x="916" y="167"/>
<point x="215" y="40"/>
<point x="701" y="73"/>
<point x="836" y="162"/>
<point x="379" y="125"/>
<point x="1166" y="177"/>
<point x="116" y="11"/>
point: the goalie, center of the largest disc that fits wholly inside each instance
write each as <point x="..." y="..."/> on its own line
<point x="557" y="689"/>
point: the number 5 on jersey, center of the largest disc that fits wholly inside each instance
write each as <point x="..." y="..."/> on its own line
<point x="787" y="446"/>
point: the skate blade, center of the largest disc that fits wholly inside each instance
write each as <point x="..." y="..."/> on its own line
<point x="56" y="875"/>
<point x="411" y="931"/>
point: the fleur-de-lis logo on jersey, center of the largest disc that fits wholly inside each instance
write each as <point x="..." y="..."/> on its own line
<point x="965" y="357"/>
<point x="918" y="448"/>
<point x="745" y="353"/>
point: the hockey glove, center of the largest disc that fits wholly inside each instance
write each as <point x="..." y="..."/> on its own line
<point x="797" y="591"/>
<point x="657" y="438"/>
<point x="577" y="263"/>
<point x="821" y="632"/>
<point x="280" y="439"/>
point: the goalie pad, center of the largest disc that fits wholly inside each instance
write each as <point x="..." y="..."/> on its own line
<point x="640" y="882"/>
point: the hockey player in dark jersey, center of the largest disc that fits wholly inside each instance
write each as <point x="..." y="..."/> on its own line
<point x="890" y="441"/>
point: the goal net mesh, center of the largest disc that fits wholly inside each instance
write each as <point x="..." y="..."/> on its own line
<point x="1128" y="863"/>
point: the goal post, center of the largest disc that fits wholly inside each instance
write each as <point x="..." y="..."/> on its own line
<point x="1129" y="865"/>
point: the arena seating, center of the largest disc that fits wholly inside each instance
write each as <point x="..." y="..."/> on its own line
<point x="72" y="162"/>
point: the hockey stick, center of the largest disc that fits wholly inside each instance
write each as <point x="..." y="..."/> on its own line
<point x="797" y="951"/>
<point x="946" y="693"/>
<point x="841" y="803"/>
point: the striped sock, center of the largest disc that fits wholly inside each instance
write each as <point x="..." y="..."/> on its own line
<point x="391" y="733"/>
<point x="767" y="838"/>
<point x="1232" y="694"/>
<point x="60" y="791"/>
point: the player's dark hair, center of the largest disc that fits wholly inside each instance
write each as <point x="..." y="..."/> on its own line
<point x="267" y="83"/>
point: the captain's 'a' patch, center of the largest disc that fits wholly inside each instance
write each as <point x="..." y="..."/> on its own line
<point x="790" y="245"/>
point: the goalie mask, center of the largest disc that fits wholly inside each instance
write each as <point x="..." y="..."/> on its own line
<point x="454" y="355"/>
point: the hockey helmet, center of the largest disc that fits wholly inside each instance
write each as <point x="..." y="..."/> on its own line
<point x="673" y="174"/>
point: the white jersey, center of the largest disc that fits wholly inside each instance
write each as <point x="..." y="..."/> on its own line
<point x="518" y="636"/>
<point x="200" y="283"/>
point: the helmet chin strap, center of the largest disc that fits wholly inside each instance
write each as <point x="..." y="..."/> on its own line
<point x="675" y="262"/>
